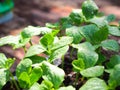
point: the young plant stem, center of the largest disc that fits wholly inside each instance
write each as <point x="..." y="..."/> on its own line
<point x="76" y="79"/>
<point x="30" y="42"/>
<point x="62" y="61"/>
<point x="14" y="81"/>
<point x="82" y="79"/>
<point x="11" y="84"/>
<point x="71" y="52"/>
<point x="25" y="50"/>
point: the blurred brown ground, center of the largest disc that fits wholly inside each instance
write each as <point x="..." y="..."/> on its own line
<point x="38" y="12"/>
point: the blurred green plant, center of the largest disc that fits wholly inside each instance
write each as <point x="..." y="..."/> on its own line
<point x="86" y="31"/>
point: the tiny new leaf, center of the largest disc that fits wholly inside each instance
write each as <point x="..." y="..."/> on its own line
<point x="47" y="40"/>
<point x="78" y="65"/>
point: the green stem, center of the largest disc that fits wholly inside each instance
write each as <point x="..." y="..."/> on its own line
<point x="62" y="61"/>
<point x="14" y="81"/>
<point x="11" y="84"/>
<point x="76" y="79"/>
<point x="82" y="79"/>
<point x="25" y="50"/>
<point x="71" y="53"/>
<point x="30" y="42"/>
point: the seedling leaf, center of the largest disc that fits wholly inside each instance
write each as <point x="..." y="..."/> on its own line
<point x="35" y="49"/>
<point x="89" y="9"/>
<point x="93" y="71"/>
<point x="111" y="45"/>
<point x="74" y="32"/>
<point x="53" y="74"/>
<point x="114" y="60"/>
<point x="94" y="84"/>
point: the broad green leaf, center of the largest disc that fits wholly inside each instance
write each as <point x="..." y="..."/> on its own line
<point x="94" y="84"/>
<point x="24" y="80"/>
<point x="114" y="60"/>
<point x="109" y="70"/>
<point x="99" y="21"/>
<point x="102" y="21"/>
<point x="93" y="71"/>
<point x="4" y="77"/>
<point x="35" y="75"/>
<point x="114" y="79"/>
<point x="10" y="40"/>
<point x="65" y="40"/>
<point x="88" y="31"/>
<point x="111" y="45"/>
<point x="58" y="53"/>
<point x="78" y="65"/>
<point x="32" y="31"/>
<point x="15" y="41"/>
<point x="76" y="16"/>
<point x="37" y="59"/>
<point x="47" y="40"/>
<point x="24" y="66"/>
<point x="110" y="18"/>
<point x="67" y="88"/>
<point x="86" y="45"/>
<point x="35" y="86"/>
<point x="46" y="85"/>
<point x="35" y="49"/>
<point x="22" y="42"/>
<point x="87" y="54"/>
<point x="53" y="74"/>
<point x="113" y="30"/>
<point x="97" y="35"/>
<point x="74" y="32"/>
<point x="89" y="9"/>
